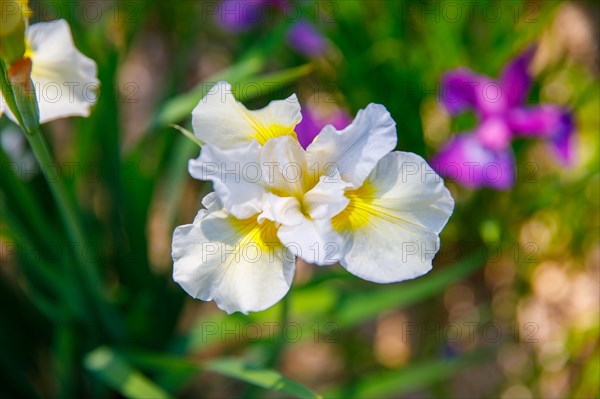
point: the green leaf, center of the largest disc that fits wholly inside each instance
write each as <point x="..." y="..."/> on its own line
<point x="258" y="86"/>
<point x="114" y="371"/>
<point x="268" y="379"/>
<point x="181" y="106"/>
<point x="238" y="369"/>
<point x="365" y="305"/>
<point x="415" y="375"/>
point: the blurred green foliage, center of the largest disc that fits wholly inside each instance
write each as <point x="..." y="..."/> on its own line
<point x="138" y="335"/>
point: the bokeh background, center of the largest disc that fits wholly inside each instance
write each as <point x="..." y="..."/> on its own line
<point x="510" y="310"/>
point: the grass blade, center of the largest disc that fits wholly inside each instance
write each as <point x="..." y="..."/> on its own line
<point x="115" y="372"/>
<point x="268" y="379"/>
<point x="364" y="305"/>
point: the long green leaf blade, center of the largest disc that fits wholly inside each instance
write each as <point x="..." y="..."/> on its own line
<point x="417" y="375"/>
<point x="115" y="372"/>
<point x="268" y="379"/>
<point x="364" y="305"/>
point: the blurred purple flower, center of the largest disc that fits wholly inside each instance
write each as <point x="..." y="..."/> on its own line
<point x="315" y="118"/>
<point x="484" y="157"/>
<point x="306" y="39"/>
<point x="240" y="15"/>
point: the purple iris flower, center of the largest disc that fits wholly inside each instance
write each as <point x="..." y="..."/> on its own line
<point x="315" y="118"/>
<point x="306" y="39"/>
<point x="484" y="157"/>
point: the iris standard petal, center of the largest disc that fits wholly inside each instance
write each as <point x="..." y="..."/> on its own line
<point x="401" y="208"/>
<point x="313" y="239"/>
<point x="355" y="150"/>
<point x="305" y="220"/>
<point x="240" y="264"/>
<point x="219" y="119"/>
<point x="467" y="161"/>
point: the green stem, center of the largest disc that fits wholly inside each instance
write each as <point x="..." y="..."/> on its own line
<point x="89" y="274"/>
<point x="67" y="211"/>
<point x="273" y="359"/>
<point x="276" y="350"/>
<point x="21" y="100"/>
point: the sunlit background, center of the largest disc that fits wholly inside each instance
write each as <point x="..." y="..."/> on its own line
<point x="510" y="310"/>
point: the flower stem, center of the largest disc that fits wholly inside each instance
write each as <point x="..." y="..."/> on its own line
<point x="273" y="356"/>
<point x="88" y="273"/>
<point x="273" y="359"/>
<point x="18" y="91"/>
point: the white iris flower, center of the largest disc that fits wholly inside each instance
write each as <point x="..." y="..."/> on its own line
<point x="346" y="198"/>
<point x="65" y="80"/>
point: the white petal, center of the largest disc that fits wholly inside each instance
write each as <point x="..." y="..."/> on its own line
<point x="283" y="210"/>
<point x="391" y="229"/>
<point x="219" y="119"/>
<point x="65" y="80"/>
<point x="313" y="241"/>
<point x="224" y="259"/>
<point x="389" y="252"/>
<point x="355" y="150"/>
<point x="407" y="186"/>
<point x="284" y="166"/>
<point x="236" y="175"/>
<point x="327" y="199"/>
<point x="212" y="202"/>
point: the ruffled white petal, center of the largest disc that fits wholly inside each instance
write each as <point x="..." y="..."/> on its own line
<point x="313" y="241"/>
<point x="391" y="231"/>
<point x="236" y="175"/>
<point x="212" y="202"/>
<point x="240" y="264"/>
<point x="408" y="186"/>
<point x="355" y="150"/>
<point x="65" y="80"/>
<point x="219" y="119"/>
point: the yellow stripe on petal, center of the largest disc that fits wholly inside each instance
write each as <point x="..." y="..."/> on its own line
<point x="359" y="212"/>
<point x="261" y="235"/>
<point x="265" y="133"/>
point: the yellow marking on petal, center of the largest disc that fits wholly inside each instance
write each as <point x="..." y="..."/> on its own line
<point x="359" y="211"/>
<point x="262" y="235"/>
<point x="265" y="133"/>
